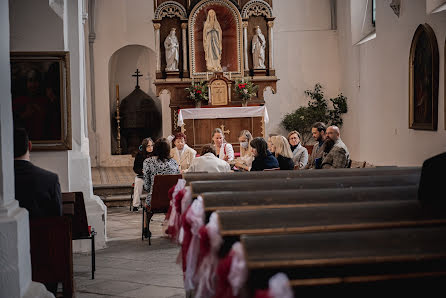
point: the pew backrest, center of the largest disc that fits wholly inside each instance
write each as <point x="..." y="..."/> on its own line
<point x="161" y="185"/>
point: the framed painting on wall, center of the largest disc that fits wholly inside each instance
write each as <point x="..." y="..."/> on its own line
<point x="40" y="88"/>
<point x="423" y="79"/>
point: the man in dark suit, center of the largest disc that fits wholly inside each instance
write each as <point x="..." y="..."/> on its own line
<point x="36" y="189"/>
<point x="431" y="181"/>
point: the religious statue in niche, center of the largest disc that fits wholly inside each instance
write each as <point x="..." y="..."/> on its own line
<point x="212" y="42"/>
<point x="258" y="49"/>
<point x="172" y="51"/>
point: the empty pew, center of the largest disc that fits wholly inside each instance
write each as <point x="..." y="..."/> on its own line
<point x="350" y="260"/>
<point x="199" y="187"/>
<point x="334" y="217"/>
<point x="191" y="177"/>
<point x="265" y="199"/>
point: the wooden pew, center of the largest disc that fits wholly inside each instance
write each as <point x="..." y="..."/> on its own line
<point x="190" y="177"/>
<point x="199" y="187"/>
<point x="350" y="260"/>
<point x="51" y="252"/>
<point x="265" y="199"/>
<point x="334" y="217"/>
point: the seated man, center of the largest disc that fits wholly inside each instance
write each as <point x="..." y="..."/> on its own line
<point x="338" y="157"/>
<point x="36" y="189"/>
<point x="208" y="162"/>
<point x="318" y="131"/>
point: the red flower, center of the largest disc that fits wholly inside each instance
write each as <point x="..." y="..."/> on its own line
<point x="198" y="91"/>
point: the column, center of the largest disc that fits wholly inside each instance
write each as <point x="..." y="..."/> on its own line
<point x="157" y="27"/>
<point x="15" y="257"/>
<point x="271" y="43"/>
<point x="245" y="44"/>
<point x="184" y="32"/>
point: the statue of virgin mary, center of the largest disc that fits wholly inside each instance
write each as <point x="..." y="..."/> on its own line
<point x="212" y="42"/>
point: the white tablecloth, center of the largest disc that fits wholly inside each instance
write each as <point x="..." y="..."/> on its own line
<point x="230" y="112"/>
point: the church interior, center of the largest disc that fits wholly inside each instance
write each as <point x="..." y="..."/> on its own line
<point x="92" y="82"/>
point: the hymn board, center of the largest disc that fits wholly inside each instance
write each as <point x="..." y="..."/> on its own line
<point x="218" y="42"/>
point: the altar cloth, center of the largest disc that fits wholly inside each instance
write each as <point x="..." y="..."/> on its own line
<point x="228" y="112"/>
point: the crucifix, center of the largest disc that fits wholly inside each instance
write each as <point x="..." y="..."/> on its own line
<point x="137" y="75"/>
<point x="223" y="129"/>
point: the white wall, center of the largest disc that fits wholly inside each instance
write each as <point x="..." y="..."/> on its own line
<point x="306" y="52"/>
<point x="375" y="78"/>
<point x="118" y="23"/>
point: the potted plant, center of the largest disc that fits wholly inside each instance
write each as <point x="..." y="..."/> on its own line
<point x="318" y="110"/>
<point x="245" y="90"/>
<point x="198" y="92"/>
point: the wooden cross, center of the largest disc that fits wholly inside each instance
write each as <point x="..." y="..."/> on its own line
<point x="137" y="75"/>
<point x="223" y="129"/>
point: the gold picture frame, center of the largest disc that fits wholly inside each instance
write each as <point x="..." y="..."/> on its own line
<point x="41" y="103"/>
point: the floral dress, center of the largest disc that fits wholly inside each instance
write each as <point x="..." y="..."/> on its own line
<point x="153" y="166"/>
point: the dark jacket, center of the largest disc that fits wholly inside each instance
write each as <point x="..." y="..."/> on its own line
<point x="137" y="164"/>
<point x="262" y="163"/>
<point x="285" y="163"/>
<point x="431" y="181"/>
<point x="37" y="190"/>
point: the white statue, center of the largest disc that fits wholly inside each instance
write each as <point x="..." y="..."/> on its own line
<point x="258" y="49"/>
<point x="212" y="42"/>
<point x="172" y="51"/>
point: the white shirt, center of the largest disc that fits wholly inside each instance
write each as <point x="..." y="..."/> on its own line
<point x="208" y="163"/>
<point x="226" y="147"/>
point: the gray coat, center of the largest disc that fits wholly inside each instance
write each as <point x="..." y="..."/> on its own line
<point x="300" y="156"/>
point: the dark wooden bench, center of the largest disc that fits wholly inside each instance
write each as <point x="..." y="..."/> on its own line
<point x="265" y="199"/>
<point x="52" y="252"/>
<point x="190" y="177"/>
<point x="350" y="260"/>
<point x="160" y="201"/>
<point x="199" y="187"/>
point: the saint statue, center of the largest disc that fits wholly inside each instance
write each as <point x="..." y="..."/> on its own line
<point x="258" y="49"/>
<point x="212" y="42"/>
<point x="172" y="48"/>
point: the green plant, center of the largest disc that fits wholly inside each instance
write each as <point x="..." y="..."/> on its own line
<point x="317" y="111"/>
<point x="198" y="91"/>
<point x="245" y="90"/>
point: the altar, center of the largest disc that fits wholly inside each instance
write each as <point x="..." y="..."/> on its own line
<point x="215" y="46"/>
<point x="198" y="124"/>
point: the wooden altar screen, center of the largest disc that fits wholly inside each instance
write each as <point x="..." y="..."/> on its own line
<point x="199" y="130"/>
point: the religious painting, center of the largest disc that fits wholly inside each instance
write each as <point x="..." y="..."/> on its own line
<point x="423" y="80"/>
<point x="41" y="98"/>
<point x="219" y="93"/>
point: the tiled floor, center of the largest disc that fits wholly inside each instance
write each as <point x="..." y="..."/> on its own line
<point x="129" y="267"/>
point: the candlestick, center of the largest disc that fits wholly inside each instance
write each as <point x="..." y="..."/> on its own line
<point x="118" y="120"/>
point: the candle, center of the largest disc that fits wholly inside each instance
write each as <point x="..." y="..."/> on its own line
<point x="117" y="91"/>
<point x="207" y="75"/>
<point x="229" y="75"/>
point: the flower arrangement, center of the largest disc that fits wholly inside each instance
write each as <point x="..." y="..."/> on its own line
<point x="245" y="90"/>
<point x="198" y="91"/>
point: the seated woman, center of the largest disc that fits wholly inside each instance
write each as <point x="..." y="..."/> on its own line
<point x="182" y="153"/>
<point x="300" y="153"/>
<point x="246" y="157"/>
<point x="208" y="162"/>
<point x="159" y="164"/>
<point x="263" y="159"/>
<point x="269" y="140"/>
<point x="281" y="149"/>
<point x="224" y="150"/>
<point x="145" y="151"/>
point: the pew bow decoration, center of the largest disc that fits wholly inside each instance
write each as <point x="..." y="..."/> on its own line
<point x="278" y="287"/>
<point x="195" y="219"/>
<point x="210" y="243"/>
<point x="174" y="214"/>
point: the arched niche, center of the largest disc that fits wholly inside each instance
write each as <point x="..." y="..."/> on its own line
<point x="122" y="65"/>
<point x="423" y="79"/>
<point x="230" y="21"/>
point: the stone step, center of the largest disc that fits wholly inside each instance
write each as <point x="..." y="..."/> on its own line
<point x="112" y="189"/>
<point x="118" y="200"/>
